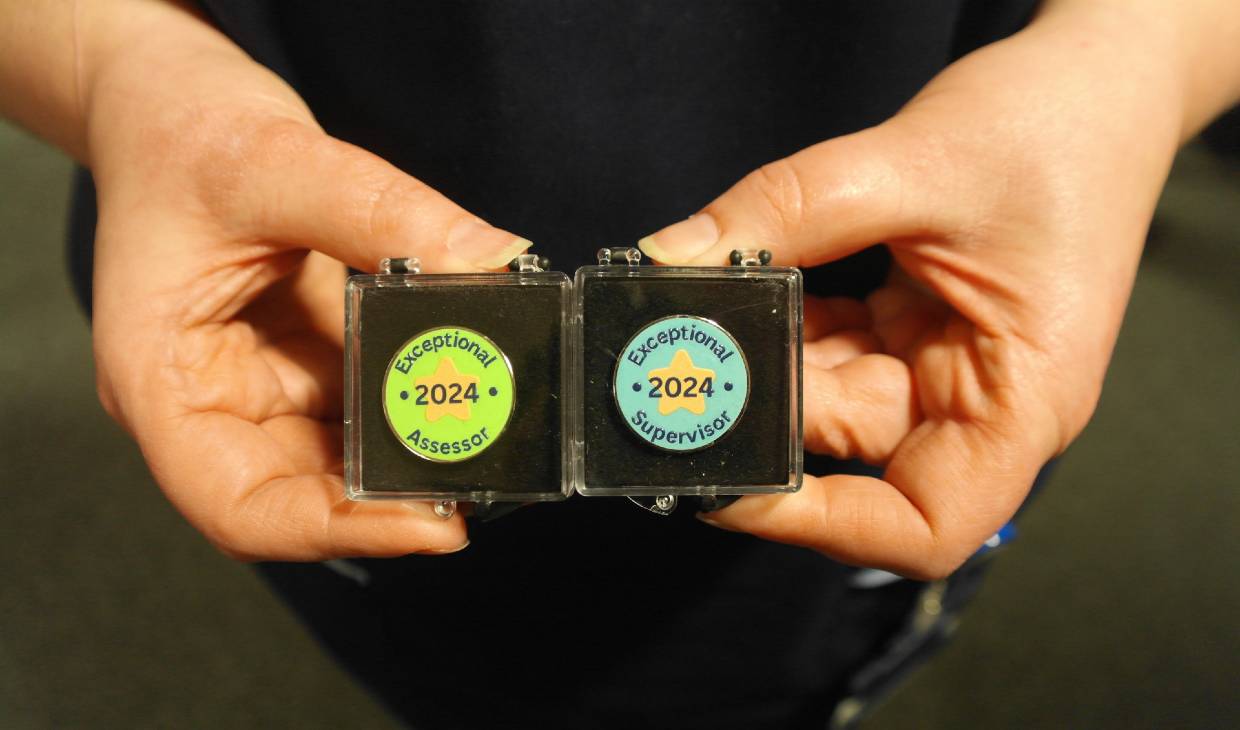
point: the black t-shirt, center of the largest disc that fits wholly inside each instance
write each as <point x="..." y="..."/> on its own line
<point x="580" y="125"/>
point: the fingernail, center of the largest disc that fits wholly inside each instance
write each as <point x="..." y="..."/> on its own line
<point x="705" y="518"/>
<point x="449" y="551"/>
<point x="482" y="245"/>
<point x="683" y="241"/>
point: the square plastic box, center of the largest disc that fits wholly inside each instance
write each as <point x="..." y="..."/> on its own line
<point x="689" y="378"/>
<point x="455" y="385"/>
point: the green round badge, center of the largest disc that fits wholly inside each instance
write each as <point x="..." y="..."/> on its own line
<point x="448" y="393"/>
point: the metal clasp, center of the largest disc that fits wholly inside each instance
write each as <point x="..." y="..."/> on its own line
<point x="398" y="271"/>
<point x="619" y="256"/>
<point x="410" y="266"/>
<point x="528" y="263"/>
<point x="750" y="257"/>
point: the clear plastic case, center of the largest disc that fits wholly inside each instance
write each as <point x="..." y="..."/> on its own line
<point x="689" y="378"/>
<point x="457" y="386"/>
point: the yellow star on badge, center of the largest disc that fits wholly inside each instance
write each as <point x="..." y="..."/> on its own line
<point x="445" y="390"/>
<point x="682" y="383"/>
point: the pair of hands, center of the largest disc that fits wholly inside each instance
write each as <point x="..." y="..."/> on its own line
<point x="1014" y="192"/>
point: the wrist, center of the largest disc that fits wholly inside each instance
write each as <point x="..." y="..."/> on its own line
<point x="37" y="70"/>
<point x="56" y="50"/>
<point x="1185" y="55"/>
<point x="172" y="89"/>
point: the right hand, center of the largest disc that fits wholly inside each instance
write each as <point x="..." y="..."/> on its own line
<point x="226" y="220"/>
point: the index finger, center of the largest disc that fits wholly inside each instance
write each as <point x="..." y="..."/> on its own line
<point x="303" y="188"/>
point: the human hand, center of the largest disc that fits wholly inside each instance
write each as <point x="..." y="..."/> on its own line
<point x="1014" y="193"/>
<point x="226" y="220"/>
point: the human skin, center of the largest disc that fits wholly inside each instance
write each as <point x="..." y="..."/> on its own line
<point x="226" y="219"/>
<point x="1014" y="192"/>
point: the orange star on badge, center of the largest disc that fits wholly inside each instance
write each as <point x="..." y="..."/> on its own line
<point x="444" y="392"/>
<point x="682" y="383"/>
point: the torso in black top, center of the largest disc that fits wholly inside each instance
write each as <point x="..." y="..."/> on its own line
<point x="579" y="125"/>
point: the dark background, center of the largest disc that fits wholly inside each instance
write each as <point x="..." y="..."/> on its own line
<point x="1115" y="608"/>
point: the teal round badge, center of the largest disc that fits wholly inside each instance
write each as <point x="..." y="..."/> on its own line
<point x="681" y="383"/>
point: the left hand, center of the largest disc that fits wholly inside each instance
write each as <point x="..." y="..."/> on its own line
<point x="1014" y="192"/>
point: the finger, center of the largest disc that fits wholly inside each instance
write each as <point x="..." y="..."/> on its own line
<point x="903" y="316"/>
<point x="820" y="204"/>
<point x="861" y="409"/>
<point x="312" y="291"/>
<point x="304" y="188"/>
<point x="311" y="444"/>
<point x="308" y="518"/>
<point x="837" y="349"/>
<point x="824" y="315"/>
<point x="310" y="370"/>
<point x="267" y="491"/>
<point x="305" y="352"/>
<point x="949" y="487"/>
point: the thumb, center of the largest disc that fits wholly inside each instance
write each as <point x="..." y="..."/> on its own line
<point x="822" y="203"/>
<point x="311" y="190"/>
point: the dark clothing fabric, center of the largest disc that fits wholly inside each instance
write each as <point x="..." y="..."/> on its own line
<point x="580" y="125"/>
